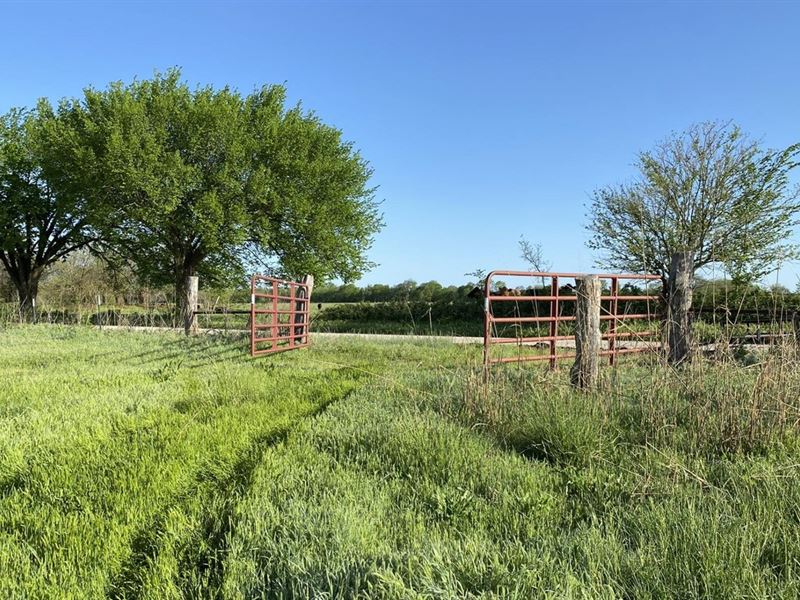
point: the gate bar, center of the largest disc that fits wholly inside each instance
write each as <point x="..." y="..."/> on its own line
<point x="555" y="298"/>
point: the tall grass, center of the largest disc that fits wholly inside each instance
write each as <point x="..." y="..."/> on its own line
<point x="151" y="466"/>
<point x="709" y="408"/>
<point x="389" y="495"/>
<point x="115" y="449"/>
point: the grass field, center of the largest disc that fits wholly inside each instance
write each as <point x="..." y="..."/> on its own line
<point x="143" y="465"/>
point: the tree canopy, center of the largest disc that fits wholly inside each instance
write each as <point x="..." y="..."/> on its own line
<point x="176" y="181"/>
<point x="44" y="212"/>
<point x="710" y="190"/>
<point x="208" y="181"/>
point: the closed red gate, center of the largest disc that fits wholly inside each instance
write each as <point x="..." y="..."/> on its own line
<point x="629" y="313"/>
<point x="279" y="315"/>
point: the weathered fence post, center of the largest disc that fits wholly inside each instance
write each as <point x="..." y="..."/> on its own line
<point x="190" y="306"/>
<point x="679" y="305"/>
<point x="584" y="371"/>
<point x="302" y="303"/>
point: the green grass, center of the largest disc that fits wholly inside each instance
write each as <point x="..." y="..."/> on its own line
<point x="143" y="465"/>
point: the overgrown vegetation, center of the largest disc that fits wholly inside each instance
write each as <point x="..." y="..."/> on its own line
<point x="148" y="465"/>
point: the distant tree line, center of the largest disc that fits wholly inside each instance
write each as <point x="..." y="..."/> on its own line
<point x="83" y="279"/>
<point x="709" y="293"/>
<point x="407" y="291"/>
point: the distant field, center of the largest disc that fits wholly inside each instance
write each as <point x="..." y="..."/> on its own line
<point x="144" y="465"/>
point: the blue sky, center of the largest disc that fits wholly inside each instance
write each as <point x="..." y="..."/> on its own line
<point x="482" y="121"/>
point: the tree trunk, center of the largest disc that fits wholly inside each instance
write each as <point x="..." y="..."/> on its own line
<point x="27" y="290"/>
<point x="585" y="369"/>
<point x="185" y="300"/>
<point x="190" y="305"/>
<point x="679" y="305"/>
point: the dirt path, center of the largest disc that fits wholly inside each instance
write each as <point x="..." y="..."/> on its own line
<point x="314" y="334"/>
<point x="453" y="339"/>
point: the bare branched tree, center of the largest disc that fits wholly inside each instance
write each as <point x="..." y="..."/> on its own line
<point x="532" y="254"/>
<point x="478" y="274"/>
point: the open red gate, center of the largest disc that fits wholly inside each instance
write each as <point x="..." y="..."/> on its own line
<point x="525" y="311"/>
<point x="279" y="315"/>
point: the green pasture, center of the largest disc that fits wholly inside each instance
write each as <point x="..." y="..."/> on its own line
<point x="149" y="465"/>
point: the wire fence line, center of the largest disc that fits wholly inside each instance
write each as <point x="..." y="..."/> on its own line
<point x="734" y="321"/>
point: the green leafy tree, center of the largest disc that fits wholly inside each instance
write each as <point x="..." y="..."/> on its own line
<point x="710" y="191"/>
<point x="429" y="291"/>
<point x="378" y="292"/>
<point x="210" y="182"/>
<point x="44" y="213"/>
<point x="404" y="291"/>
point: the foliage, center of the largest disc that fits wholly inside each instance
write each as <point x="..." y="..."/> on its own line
<point x="415" y="315"/>
<point x="737" y="296"/>
<point x="710" y="190"/>
<point x="211" y="182"/>
<point x="44" y="214"/>
<point x="407" y="291"/>
<point x="478" y="276"/>
<point x="81" y="278"/>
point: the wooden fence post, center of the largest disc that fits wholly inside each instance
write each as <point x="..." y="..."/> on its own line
<point x="679" y="305"/>
<point x="303" y="302"/>
<point x="189" y="318"/>
<point x="585" y="369"/>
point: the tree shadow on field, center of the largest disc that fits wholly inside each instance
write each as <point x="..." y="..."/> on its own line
<point x="225" y="355"/>
<point x="194" y="355"/>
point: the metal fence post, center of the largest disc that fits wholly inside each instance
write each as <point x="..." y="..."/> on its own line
<point x="554" y="308"/>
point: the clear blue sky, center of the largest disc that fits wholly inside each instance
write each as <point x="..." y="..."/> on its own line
<point x="482" y="121"/>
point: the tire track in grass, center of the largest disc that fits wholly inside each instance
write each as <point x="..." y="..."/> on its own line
<point x="407" y="480"/>
<point x="219" y="528"/>
<point x="201" y="562"/>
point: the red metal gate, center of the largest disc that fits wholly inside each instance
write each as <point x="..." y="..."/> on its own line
<point x="279" y="315"/>
<point x="555" y="294"/>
